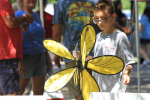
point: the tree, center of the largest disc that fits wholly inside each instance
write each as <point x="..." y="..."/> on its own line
<point x="12" y="1"/>
<point x="52" y="1"/>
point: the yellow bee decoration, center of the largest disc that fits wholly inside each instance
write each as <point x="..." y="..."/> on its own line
<point x="108" y="65"/>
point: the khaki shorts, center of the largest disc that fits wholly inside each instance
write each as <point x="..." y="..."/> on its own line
<point x="73" y="90"/>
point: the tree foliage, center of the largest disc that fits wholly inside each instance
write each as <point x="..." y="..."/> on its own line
<point x="12" y="1"/>
<point x="126" y="4"/>
<point x="52" y="1"/>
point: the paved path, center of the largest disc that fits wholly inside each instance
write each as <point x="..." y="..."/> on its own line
<point x="145" y="81"/>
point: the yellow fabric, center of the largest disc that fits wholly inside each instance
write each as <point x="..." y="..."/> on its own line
<point x="108" y="65"/>
<point x="136" y="59"/>
<point x="88" y="85"/>
<point x="58" y="49"/>
<point x="76" y="77"/>
<point x="84" y="54"/>
<point x="89" y="34"/>
<point x="76" y="52"/>
<point x="59" y="80"/>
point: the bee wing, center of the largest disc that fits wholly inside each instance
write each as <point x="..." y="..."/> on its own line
<point x="88" y="85"/>
<point x="84" y="53"/>
<point x="108" y="65"/>
<point x="89" y="35"/>
<point x="58" y="49"/>
<point x="87" y="42"/>
<point x="58" y="80"/>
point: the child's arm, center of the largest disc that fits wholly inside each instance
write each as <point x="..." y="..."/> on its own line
<point x="78" y="53"/>
<point x="126" y="74"/>
<point x="88" y="57"/>
<point x="124" y="29"/>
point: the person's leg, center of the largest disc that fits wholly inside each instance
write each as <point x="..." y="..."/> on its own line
<point x="142" y="52"/>
<point x="72" y="89"/>
<point x="147" y="49"/>
<point x="23" y="84"/>
<point x="1" y="93"/>
<point x="146" y="58"/>
<point x="14" y="93"/>
<point x="78" y="97"/>
<point x="28" y="61"/>
<point x="9" y="77"/>
<point x="38" y="78"/>
<point x="38" y="84"/>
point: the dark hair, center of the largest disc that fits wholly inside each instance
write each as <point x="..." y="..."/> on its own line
<point x="44" y="1"/>
<point x="116" y="3"/>
<point x="105" y="4"/>
<point x="147" y="12"/>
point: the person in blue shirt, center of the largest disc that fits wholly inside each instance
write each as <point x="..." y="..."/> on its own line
<point x="145" y="37"/>
<point x="33" y="50"/>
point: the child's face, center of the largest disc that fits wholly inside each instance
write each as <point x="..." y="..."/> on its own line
<point x="103" y="19"/>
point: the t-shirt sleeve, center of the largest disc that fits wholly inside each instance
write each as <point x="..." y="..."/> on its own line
<point x="58" y="15"/>
<point x="18" y="13"/>
<point x="5" y="8"/>
<point x="144" y="20"/>
<point x="125" y="50"/>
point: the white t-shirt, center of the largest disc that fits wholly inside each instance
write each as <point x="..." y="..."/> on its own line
<point x="116" y="44"/>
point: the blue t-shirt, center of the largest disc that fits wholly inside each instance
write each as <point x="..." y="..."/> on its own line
<point x="33" y="38"/>
<point x="74" y="15"/>
<point x="145" y="34"/>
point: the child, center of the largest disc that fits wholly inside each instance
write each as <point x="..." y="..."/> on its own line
<point x="111" y="41"/>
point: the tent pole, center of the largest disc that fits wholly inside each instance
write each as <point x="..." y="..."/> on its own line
<point x="137" y="44"/>
<point x="41" y="12"/>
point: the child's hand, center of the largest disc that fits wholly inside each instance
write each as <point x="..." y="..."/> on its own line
<point x="126" y="79"/>
<point x="88" y="57"/>
<point x="78" y="53"/>
<point x="126" y="30"/>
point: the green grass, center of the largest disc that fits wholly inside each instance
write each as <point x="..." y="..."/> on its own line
<point x="141" y="7"/>
<point x="52" y="1"/>
<point x="126" y="5"/>
<point x="12" y="1"/>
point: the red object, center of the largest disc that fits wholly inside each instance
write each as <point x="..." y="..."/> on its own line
<point x="55" y="99"/>
<point x="130" y="45"/>
<point x="10" y="39"/>
<point x="47" y="24"/>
